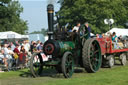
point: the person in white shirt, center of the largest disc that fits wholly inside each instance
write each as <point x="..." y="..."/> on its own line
<point x="26" y="45"/>
<point x="76" y="28"/>
<point x="1" y="56"/>
<point x="12" y="46"/>
<point x="6" y="50"/>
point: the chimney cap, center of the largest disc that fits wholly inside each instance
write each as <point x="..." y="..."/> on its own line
<point x="50" y="7"/>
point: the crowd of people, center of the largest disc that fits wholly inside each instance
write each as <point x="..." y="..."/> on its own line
<point x="18" y="53"/>
<point x="118" y="42"/>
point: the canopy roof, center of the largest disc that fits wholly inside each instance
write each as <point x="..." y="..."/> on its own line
<point x="119" y="31"/>
<point x="11" y="34"/>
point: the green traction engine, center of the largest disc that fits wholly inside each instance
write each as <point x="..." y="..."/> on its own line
<point x="66" y="51"/>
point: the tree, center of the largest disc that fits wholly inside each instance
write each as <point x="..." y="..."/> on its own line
<point x="10" y="17"/>
<point x="43" y="31"/>
<point x="94" y="11"/>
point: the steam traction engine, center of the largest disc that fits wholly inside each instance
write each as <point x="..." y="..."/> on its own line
<point x="67" y="51"/>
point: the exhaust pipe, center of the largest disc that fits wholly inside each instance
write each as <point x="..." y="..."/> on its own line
<point x="50" y="11"/>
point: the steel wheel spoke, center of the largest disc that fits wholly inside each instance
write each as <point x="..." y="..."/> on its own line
<point x="96" y="51"/>
<point x="94" y="55"/>
<point x="67" y="65"/>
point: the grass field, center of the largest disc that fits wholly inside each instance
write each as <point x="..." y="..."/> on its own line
<point x="105" y="76"/>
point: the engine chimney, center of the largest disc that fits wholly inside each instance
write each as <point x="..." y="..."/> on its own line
<point x="50" y="11"/>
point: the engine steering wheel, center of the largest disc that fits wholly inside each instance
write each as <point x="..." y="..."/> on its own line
<point x="83" y="34"/>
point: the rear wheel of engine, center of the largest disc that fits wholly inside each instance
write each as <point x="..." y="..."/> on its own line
<point x="91" y="55"/>
<point x="111" y="61"/>
<point x="67" y="64"/>
<point x="123" y="59"/>
<point x="36" y="64"/>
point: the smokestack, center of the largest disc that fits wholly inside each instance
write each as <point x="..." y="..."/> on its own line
<point x="50" y="11"/>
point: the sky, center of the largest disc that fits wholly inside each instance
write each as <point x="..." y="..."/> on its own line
<point x="35" y="12"/>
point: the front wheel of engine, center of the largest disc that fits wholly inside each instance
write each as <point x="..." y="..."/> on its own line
<point x="67" y="65"/>
<point x="36" y="64"/>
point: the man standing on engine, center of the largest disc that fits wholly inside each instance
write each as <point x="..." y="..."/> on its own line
<point x="88" y="28"/>
<point x="76" y="28"/>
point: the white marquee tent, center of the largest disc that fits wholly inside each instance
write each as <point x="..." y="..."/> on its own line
<point x="11" y="34"/>
<point x="119" y="31"/>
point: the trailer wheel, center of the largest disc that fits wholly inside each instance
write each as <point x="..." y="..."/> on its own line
<point x="123" y="59"/>
<point x="91" y="55"/>
<point x="111" y="61"/>
<point x="126" y="55"/>
<point x="67" y="64"/>
<point x="36" y="64"/>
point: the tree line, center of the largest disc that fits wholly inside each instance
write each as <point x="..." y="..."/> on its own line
<point x="94" y="12"/>
<point x="10" y="17"/>
<point x="43" y="31"/>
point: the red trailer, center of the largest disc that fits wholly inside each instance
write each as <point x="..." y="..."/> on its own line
<point x="109" y="54"/>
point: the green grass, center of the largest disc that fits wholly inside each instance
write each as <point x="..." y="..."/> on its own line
<point x="115" y="76"/>
<point x="11" y="74"/>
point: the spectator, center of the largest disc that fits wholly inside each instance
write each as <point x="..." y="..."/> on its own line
<point x="120" y="38"/>
<point x="38" y="43"/>
<point x="22" y="56"/>
<point x="109" y="34"/>
<point x="34" y="50"/>
<point x="12" y="46"/>
<point x="40" y="47"/>
<point x="16" y="50"/>
<point x="114" y="40"/>
<point x="5" y="49"/>
<point x="114" y="37"/>
<point x="10" y="51"/>
<point x="3" y="59"/>
<point x="0" y="47"/>
<point x="103" y="35"/>
<point x="17" y="42"/>
<point x="27" y="46"/>
<point x="10" y="58"/>
<point x="16" y="53"/>
<point x="97" y="35"/>
<point x="2" y="56"/>
<point x="31" y="46"/>
<point x="7" y="55"/>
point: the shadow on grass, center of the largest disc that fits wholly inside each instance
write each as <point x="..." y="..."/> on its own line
<point x="25" y="74"/>
<point x="45" y="73"/>
<point x="48" y="73"/>
<point x="79" y="70"/>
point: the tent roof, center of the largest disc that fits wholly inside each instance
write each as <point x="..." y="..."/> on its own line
<point x="10" y="34"/>
<point x="119" y="31"/>
<point x="24" y="36"/>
